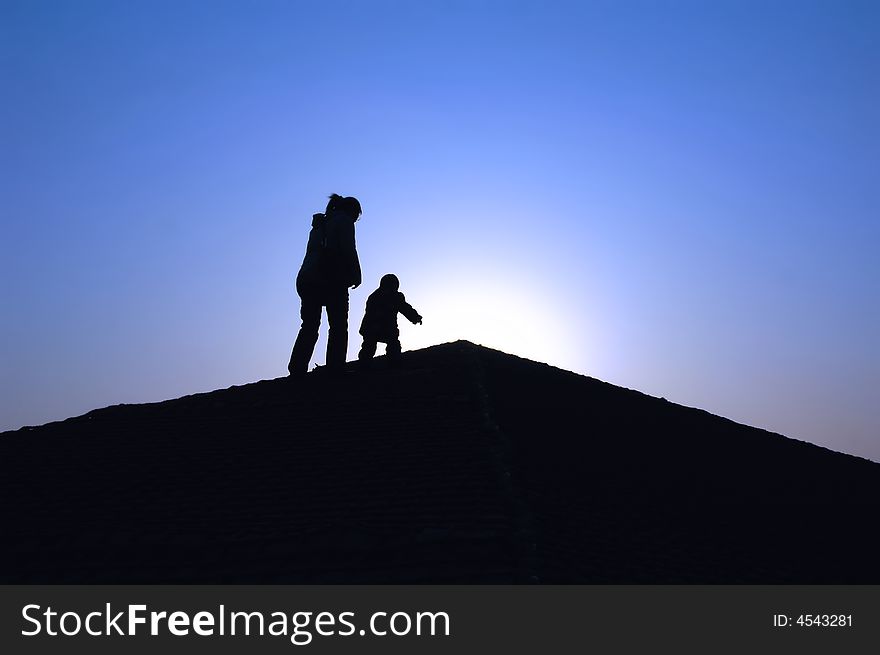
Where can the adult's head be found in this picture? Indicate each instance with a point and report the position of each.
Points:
(348, 205)
(389, 282)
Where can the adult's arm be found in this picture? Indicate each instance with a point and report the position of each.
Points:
(341, 240)
(353, 263)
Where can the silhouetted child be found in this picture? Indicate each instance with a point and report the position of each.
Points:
(380, 319)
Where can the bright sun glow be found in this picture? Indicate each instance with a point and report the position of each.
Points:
(501, 314)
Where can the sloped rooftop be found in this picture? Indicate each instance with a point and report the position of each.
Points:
(462, 465)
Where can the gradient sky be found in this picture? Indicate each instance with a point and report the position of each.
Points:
(676, 197)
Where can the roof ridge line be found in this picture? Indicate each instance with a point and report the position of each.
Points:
(500, 451)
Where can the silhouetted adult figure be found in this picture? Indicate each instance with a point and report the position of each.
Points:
(329, 268)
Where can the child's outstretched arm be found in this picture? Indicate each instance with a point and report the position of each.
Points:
(407, 310)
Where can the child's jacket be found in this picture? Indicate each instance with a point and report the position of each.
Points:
(380, 317)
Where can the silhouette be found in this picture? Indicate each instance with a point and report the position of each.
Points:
(329, 268)
(380, 319)
(466, 465)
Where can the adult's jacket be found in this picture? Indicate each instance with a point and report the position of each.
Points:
(331, 259)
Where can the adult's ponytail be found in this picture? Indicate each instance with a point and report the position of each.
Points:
(350, 205)
(334, 203)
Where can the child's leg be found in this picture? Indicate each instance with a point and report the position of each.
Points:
(392, 348)
(368, 349)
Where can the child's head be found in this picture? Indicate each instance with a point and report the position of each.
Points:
(389, 282)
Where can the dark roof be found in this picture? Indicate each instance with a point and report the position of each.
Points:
(463, 464)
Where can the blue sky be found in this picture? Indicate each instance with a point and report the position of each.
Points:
(677, 197)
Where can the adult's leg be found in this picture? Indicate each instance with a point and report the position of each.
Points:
(337, 317)
(304, 346)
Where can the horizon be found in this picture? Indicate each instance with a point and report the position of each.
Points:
(437, 345)
(671, 197)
